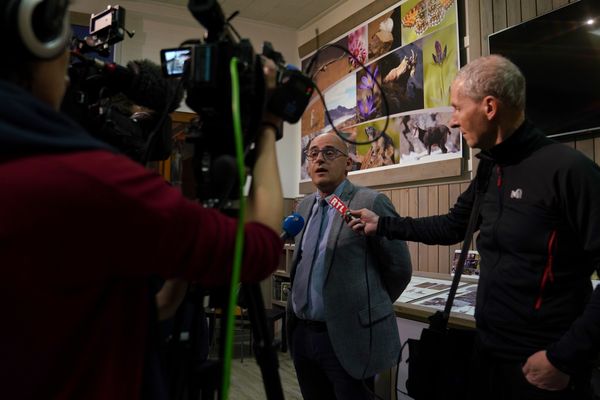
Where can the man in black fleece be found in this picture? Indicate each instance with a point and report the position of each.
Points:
(538, 321)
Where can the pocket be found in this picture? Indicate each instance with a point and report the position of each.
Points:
(379, 312)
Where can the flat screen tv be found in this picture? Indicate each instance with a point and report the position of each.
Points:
(559, 54)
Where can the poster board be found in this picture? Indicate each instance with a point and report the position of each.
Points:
(412, 50)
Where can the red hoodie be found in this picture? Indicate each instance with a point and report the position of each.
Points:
(80, 233)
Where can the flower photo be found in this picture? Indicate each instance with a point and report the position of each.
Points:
(357, 46)
(368, 95)
(440, 66)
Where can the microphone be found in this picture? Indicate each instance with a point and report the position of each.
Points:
(120, 76)
(339, 205)
(291, 226)
(143, 83)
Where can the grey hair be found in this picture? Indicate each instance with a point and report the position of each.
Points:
(496, 76)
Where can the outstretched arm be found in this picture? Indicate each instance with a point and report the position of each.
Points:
(442, 229)
(265, 201)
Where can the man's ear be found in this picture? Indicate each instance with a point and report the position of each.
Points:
(348, 164)
(490, 105)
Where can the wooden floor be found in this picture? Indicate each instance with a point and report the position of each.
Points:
(247, 383)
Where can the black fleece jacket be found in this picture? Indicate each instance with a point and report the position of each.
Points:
(539, 240)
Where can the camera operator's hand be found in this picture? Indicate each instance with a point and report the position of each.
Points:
(270, 120)
(270, 72)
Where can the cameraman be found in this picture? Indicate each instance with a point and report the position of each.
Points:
(82, 230)
(124, 109)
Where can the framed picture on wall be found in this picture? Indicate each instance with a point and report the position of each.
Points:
(399, 100)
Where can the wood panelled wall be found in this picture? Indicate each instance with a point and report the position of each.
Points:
(482, 17)
(488, 16)
(423, 201)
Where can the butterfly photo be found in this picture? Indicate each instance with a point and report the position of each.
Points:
(420, 17)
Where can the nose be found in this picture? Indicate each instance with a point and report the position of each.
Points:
(454, 120)
(320, 157)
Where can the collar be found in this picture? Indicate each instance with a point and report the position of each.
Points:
(524, 141)
(337, 192)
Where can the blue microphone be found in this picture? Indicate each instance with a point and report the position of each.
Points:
(292, 225)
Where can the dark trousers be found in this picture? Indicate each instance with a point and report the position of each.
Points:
(320, 374)
(498, 379)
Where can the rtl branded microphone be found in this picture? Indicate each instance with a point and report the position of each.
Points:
(291, 226)
(339, 205)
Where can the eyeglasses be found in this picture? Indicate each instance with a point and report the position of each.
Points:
(329, 153)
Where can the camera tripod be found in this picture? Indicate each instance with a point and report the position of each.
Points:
(191, 374)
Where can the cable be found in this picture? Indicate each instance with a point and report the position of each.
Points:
(368, 308)
(239, 237)
(371, 392)
(368, 71)
(165, 113)
(398, 369)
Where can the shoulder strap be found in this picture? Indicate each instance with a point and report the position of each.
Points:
(439, 321)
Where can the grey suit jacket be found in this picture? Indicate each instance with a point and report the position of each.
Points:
(364, 277)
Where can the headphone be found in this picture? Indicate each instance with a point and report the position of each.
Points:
(40, 27)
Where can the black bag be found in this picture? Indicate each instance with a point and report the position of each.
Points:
(438, 363)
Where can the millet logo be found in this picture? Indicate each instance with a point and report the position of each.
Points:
(516, 194)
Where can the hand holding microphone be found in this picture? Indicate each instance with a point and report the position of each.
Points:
(361, 221)
(365, 221)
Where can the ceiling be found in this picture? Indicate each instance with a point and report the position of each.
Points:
(291, 14)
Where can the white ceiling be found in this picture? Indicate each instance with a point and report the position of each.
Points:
(292, 14)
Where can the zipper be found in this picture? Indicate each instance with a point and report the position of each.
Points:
(500, 210)
(499, 179)
(548, 274)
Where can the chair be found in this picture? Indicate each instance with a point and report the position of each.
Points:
(272, 315)
(242, 326)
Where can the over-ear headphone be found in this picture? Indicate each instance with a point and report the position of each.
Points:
(40, 27)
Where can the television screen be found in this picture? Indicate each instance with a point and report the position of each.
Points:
(559, 54)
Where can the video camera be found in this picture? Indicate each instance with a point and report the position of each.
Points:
(203, 67)
(106, 28)
(103, 96)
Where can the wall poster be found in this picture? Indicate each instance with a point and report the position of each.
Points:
(412, 51)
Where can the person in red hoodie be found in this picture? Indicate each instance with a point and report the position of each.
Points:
(82, 230)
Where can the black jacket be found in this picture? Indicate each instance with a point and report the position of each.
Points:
(539, 240)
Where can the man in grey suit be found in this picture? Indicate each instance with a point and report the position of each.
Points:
(342, 328)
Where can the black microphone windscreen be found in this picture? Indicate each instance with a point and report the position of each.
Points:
(149, 88)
